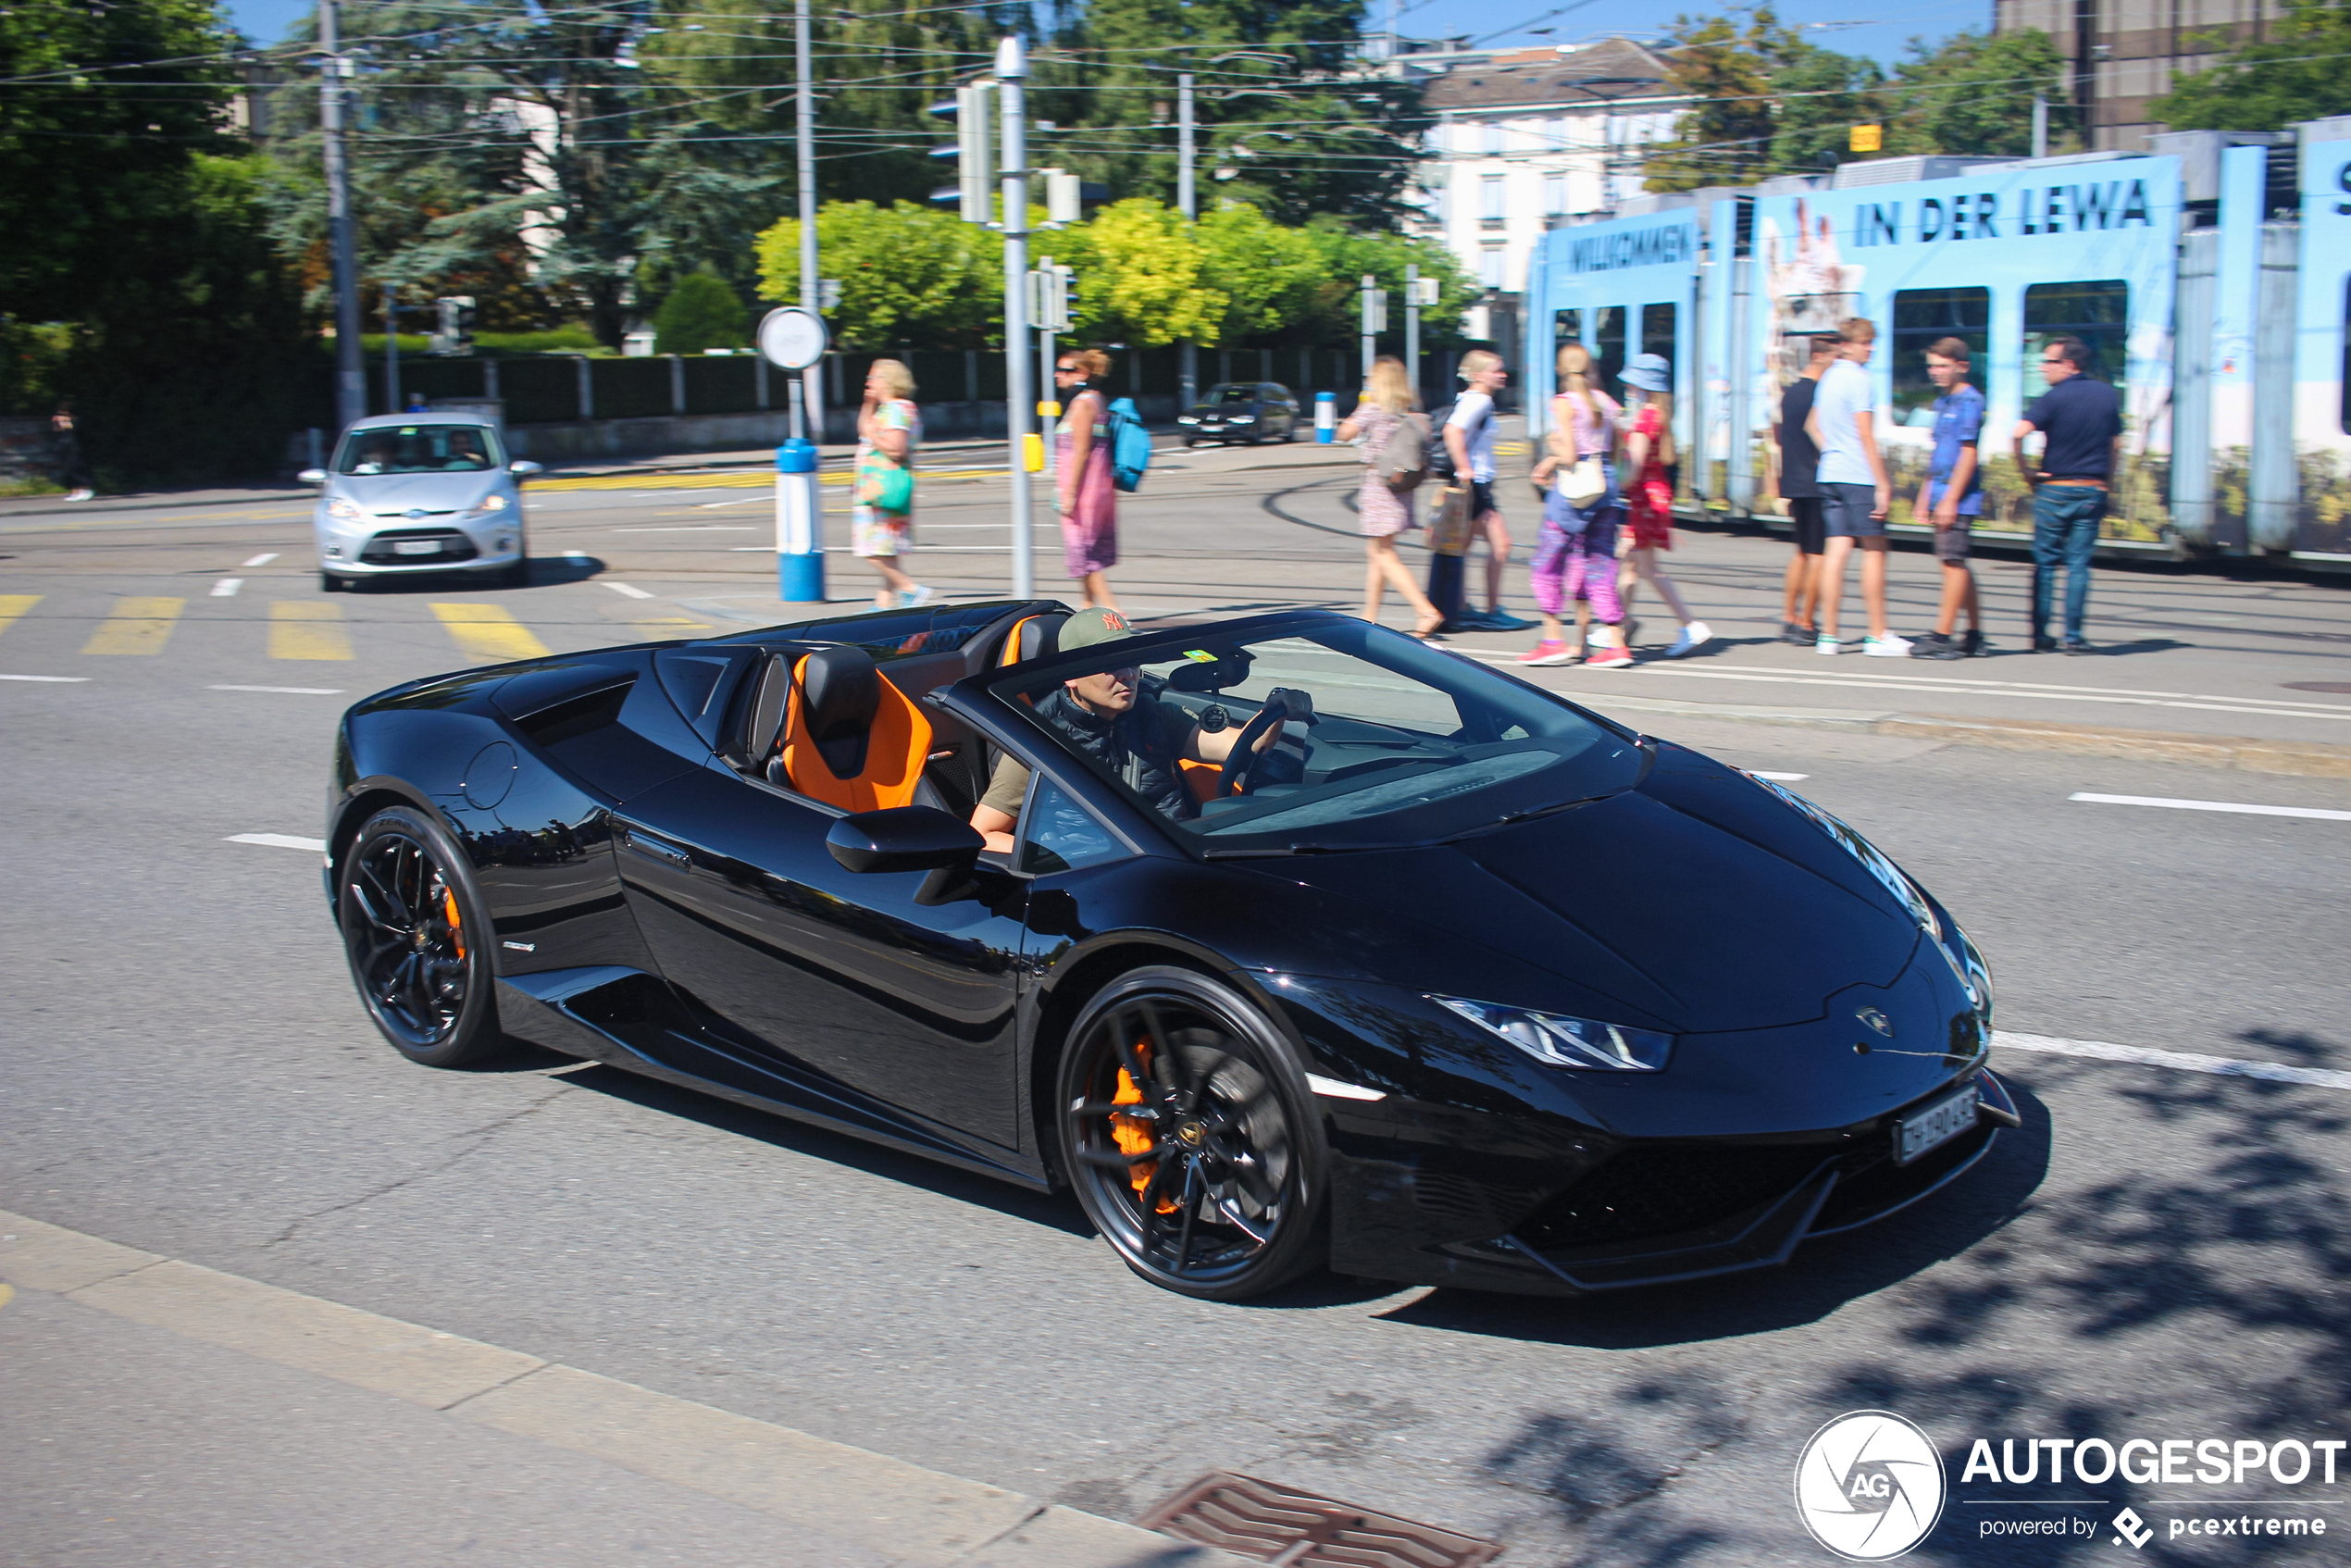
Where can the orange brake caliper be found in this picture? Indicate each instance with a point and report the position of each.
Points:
(1134, 1136)
(456, 931)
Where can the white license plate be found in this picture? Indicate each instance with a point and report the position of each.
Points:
(1935, 1127)
(415, 547)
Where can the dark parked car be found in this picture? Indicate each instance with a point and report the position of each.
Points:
(1233, 411)
(1313, 945)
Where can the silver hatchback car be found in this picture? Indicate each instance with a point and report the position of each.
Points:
(420, 492)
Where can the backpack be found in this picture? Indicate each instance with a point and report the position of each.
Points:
(1130, 445)
(1441, 452)
(1401, 462)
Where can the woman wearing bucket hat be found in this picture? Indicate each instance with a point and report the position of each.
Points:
(1648, 449)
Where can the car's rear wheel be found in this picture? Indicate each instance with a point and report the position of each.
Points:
(1191, 1138)
(417, 940)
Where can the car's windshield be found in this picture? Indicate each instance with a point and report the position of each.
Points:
(418, 449)
(1333, 736)
(1226, 393)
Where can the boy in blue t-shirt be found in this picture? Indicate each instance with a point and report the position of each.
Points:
(1952, 498)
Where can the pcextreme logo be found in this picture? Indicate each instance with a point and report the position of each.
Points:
(1870, 1485)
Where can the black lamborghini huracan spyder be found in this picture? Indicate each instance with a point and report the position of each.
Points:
(1308, 944)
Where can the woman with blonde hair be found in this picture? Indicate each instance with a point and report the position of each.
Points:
(1383, 412)
(1649, 447)
(1575, 554)
(1083, 492)
(881, 512)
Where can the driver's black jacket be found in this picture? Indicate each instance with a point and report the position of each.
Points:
(1140, 748)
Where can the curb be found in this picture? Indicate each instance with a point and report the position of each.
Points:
(908, 1514)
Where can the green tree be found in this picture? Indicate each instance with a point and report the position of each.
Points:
(1822, 95)
(2297, 73)
(701, 311)
(1973, 94)
(908, 274)
(1726, 64)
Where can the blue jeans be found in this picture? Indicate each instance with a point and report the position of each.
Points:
(2065, 531)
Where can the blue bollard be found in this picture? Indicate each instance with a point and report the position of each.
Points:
(1325, 418)
(800, 533)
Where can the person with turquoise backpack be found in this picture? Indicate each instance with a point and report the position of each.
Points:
(1084, 487)
(881, 512)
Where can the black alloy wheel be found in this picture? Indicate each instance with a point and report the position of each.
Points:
(1191, 1138)
(418, 942)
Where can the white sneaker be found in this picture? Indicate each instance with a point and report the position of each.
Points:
(79, 494)
(918, 594)
(1826, 644)
(1887, 647)
(1694, 636)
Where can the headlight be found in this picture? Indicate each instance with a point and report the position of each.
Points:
(343, 511)
(1889, 875)
(492, 502)
(1562, 1041)
(1240, 419)
(1188, 419)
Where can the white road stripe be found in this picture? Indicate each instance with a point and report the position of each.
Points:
(694, 528)
(60, 680)
(624, 589)
(2184, 1061)
(2236, 806)
(264, 559)
(227, 586)
(1782, 777)
(289, 691)
(277, 841)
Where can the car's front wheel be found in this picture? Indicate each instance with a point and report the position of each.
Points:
(1191, 1138)
(417, 940)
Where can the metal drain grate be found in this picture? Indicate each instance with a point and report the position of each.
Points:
(1293, 1529)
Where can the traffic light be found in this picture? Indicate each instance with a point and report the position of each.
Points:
(455, 334)
(1049, 286)
(974, 193)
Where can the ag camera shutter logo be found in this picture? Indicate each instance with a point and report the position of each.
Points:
(1870, 1485)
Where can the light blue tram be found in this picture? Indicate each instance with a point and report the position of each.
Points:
(2212, 279)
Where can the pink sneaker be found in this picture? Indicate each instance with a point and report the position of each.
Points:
(1550, 651)
(1609, 658)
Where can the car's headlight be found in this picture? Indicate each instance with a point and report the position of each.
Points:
(1240, 419)
(1872, 859)
(345, 511)
(1188, 419)
(492, 502)
(1562, 1041)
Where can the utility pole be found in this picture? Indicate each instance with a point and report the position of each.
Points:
(2040, 126)
(1187, 203)
(350, 374)
(808, 406)
(1370, 328)
(392, 350)
(1020, 399)
(1412, 294)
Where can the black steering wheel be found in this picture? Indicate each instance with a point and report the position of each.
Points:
(1240, 762)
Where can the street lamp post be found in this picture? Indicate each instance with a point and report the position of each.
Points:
(1020, 399)
(811, 383)
(1187, 203)
(350, 374)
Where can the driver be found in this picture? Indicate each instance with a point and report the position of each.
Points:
(1120, 718)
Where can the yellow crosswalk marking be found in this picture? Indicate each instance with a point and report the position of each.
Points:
(15, 606)
(139, 625)
(305, 629)
(485, 631)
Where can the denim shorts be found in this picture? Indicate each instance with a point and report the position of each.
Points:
(1846, 509)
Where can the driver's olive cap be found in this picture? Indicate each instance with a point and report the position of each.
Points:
(1092, 626)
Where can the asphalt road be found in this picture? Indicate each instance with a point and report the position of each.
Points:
(2157, 1253)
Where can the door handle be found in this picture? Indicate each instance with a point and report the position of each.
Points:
(655, 849)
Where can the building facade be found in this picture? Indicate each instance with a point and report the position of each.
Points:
(2124, 52)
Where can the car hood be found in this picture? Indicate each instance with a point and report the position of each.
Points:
(1695, 899)
(395, 493)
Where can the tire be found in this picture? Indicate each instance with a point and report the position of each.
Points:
(329, 582)
(1222, 1081)
(426, 986)
(516, 575)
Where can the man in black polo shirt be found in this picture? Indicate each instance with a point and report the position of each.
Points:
(1799, 486)
(2083, 422)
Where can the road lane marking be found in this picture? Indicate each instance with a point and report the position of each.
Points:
(713, 505)
(624, 589)
(227, 586)
(694, 528)
(277, 841)
(2184, 1061)
(1782, 777)
(263, 559)
(490, 633)
(14, 607)
(2236, 806)
(139, 625)
(60, 680)
(288, 691)
(308, 628)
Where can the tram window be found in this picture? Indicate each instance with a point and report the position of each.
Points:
(1657, 330)
(1925, 316)
(1608, 336)
(1567, 327)
(2098, 313)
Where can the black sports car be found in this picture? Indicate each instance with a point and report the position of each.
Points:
(1240, 410)
(1306, 944)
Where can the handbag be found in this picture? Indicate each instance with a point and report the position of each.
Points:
(888, 490)
(1448, 529)
(1585, 483)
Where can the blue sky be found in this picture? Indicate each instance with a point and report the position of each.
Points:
(1509, 22)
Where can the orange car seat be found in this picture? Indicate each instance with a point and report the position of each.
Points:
(850, 738)
(1032, 637)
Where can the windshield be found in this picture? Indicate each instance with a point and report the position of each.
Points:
(418, 449)
(1335, 736)
(1226, 394)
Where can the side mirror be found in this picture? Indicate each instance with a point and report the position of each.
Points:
(312, 476)
(522, 469)
(903, 839)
